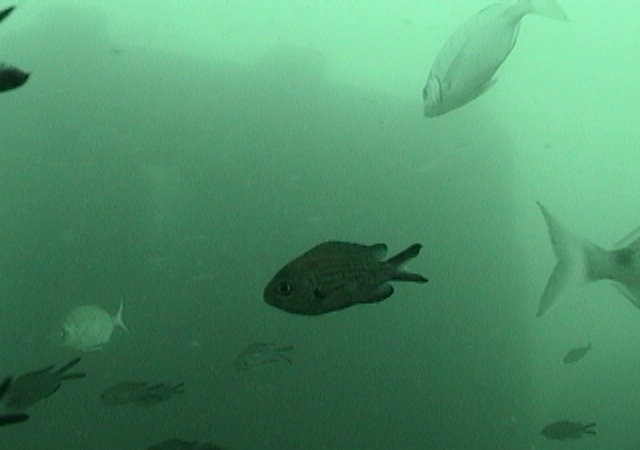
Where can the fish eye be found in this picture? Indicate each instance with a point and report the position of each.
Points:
(284, 288)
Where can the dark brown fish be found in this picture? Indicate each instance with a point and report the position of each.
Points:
(178, 444)
(8, 419)
(566, 429)
(30, 388)
(335, 275)
(576, 354)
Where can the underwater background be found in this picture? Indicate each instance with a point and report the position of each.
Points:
(179, 153)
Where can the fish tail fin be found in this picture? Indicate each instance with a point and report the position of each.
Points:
(398, 260)
(118, 320)
(588, 428)
(579, 261)
(546, 8)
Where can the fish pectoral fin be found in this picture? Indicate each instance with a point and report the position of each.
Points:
(318, 294)
(381, 293)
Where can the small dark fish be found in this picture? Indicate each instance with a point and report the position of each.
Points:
(335, 275)
(30, 388)
(123, 392)
(178, 444)
(261, 353)
(576, 354)
(9, 419)
(10, 77)
(140, 393)
(5, 12)
(566, 429)
(158, 393)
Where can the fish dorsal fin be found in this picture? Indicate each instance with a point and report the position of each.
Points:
(118, 320)
(379, 251)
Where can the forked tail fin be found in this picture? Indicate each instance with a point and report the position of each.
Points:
(575, 257)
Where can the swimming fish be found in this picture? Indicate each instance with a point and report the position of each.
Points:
(30, 388)
(576, 354)
(261, 353)
(178, 444)
(10, 77)
(158, 393)
(89, 327)
(566, 429)
(8, 419)
(466, 65)
(140, 393)
(336, 275)
(580, 261)
(123, 392)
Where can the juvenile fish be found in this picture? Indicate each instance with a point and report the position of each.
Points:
(566, 429)
(261, 353)
(576, 354)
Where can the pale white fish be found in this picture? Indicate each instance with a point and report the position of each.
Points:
(580, 261)
(89, 327)
(466, 65)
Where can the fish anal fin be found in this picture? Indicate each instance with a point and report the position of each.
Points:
(383, 292)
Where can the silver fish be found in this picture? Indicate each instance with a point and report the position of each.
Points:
(580, 261)
(89, 327)
(576, 354)
(32, 387)
(466, 65)
(567, 429)
(261, 353)
(336, 275)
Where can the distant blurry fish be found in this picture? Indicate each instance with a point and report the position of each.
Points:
(123, 393)
(566, 429)
(465, 66)
(580, 261)
(8, 419)
(89, 327)
(335, 275)
(260, 353)
(10, 77)
(576, 354)
(158, 393)
(178, 444)
(30, 388)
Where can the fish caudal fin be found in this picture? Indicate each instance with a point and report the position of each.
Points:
(576, 260)
(547, 8)
(118, 319)
(398, 260)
